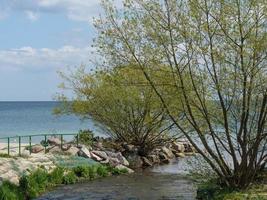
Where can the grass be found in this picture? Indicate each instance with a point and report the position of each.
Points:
(37, 182)
(211, 190)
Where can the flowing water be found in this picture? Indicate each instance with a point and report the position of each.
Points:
(165, 182)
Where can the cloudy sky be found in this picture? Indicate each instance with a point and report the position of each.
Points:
(38, 38)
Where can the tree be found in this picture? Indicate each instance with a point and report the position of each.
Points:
(122, 103)
(216, 53)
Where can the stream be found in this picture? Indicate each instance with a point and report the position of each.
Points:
(164, 182)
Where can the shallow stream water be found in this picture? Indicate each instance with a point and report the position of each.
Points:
(165, 182)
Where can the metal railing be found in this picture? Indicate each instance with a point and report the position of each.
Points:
(38, 135)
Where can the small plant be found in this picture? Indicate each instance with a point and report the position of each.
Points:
(116, 171)
(92, 172)
(81, 171)
(5, 155)
(56, 176)
(102, 171)
(85, 137)
(34, 184)
(69, 178)
(8, 191)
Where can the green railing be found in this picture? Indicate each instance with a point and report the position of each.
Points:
(8, 139)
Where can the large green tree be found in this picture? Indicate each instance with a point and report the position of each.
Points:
(122, 104)
(215, 51)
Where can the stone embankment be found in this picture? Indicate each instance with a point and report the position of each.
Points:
(104, 151)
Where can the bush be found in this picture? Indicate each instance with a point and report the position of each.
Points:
(81, 171)
(116, 171)
(69, 178)
(34, 184)
(85, 137)
(92, 172)
(102, 171)
(9, 191)
(56, 176)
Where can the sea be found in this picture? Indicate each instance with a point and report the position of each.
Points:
(32, 117)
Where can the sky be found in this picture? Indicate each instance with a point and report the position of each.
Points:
(39, 38)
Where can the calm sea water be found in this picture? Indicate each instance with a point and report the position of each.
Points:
(23, 118)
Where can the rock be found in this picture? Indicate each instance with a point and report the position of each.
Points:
(101, 154)
(114, 162)
(104, 161)
(54, 141)
(96, 157)
(180, 155)
(65, 147)
(37, 148)
(179, 147)
(121, 167)
(135, 161)
(166, 161)
(98, 145)
(130, 148)
(73, 151)
(162, 156)
(25, 153)
(188, 147)
(153, 158)
(84, 152)
(146, 162)
(168, 152)
(54, 150)
(119, 156)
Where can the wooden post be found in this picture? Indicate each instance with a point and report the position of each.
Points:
(77, 139)
(30, 143)
(45, 144)
(19, 146)
(8, 146)
(61, 141)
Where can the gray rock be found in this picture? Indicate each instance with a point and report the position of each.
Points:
(84, 152)
(118, 156)
(114, 162)
(54, 141)
(168, 152)
(153, 158)
(96, 157)
(135, 161)
(37, 148)
(101, 154)
(146, 162)
(73, 151)
(179, 147)
(121, 167)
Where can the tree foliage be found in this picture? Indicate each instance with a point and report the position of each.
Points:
(122, 104)
(215, 51)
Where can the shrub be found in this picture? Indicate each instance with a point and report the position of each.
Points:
(85, 137)
(102, 171)
(34, 184)
(81, 171)
(92, 172)
(69, 178)
(9, 191)
(56, 176)
(116, 171)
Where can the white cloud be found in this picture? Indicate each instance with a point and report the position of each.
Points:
(80, 10)
(28, 58)
(32, 16)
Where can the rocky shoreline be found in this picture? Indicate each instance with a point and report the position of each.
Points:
(102, 150)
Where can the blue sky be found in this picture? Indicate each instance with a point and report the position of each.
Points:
(40, 37)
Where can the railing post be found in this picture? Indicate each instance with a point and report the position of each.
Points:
(77, 140)
(45, 144)
(30, 143)
(61, 141)
(19, 146)
(8, 146)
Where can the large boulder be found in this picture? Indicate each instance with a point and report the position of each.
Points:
(73, 151)
(37, 148)
(118, 156)
(84, 152)
(179, 147)
(153, 158)
(54, 141)
(113, 162)
(121, 167)
(146, 162)
(101, 154)
(168, 152)
(96, 157)
(135, 161)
